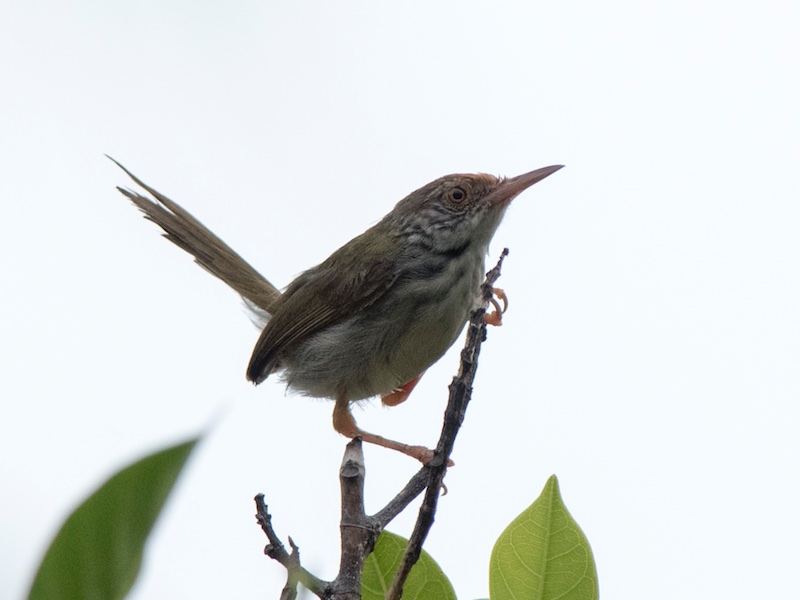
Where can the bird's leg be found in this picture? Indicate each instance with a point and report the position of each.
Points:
(344, 423)
(399, 395)
(496, 318)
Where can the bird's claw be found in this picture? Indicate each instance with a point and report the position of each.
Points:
(424, 455)
(495, 318)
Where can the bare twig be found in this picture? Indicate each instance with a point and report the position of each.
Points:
(460, 394)
(276, 551)
(396, 505)
(358, 532)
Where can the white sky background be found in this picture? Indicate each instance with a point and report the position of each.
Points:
(650, 354)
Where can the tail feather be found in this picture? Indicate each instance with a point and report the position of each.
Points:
(210, 252)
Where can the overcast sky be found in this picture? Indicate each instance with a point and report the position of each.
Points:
(649, 357)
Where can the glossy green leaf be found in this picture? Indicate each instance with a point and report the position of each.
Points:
(543, 555)
(425, 582)
(98, 551)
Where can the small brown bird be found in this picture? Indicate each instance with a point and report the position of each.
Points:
(370, 319)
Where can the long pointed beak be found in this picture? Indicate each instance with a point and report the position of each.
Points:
(509, 189)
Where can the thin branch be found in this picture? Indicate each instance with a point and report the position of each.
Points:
(460, 395)
(396, 505)
(276, 551)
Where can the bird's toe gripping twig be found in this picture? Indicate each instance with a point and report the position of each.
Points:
(496, 317)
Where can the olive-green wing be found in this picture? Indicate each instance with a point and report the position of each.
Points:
(352, 279)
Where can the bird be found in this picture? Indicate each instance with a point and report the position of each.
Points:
(377, 313)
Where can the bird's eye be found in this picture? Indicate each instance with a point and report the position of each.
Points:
(457, 195)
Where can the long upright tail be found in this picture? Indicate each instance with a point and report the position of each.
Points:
(210, 252)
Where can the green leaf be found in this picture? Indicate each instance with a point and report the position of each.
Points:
(425, 582)
(98, 551)
(543, 555)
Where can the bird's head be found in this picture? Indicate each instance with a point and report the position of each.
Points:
(461, 210)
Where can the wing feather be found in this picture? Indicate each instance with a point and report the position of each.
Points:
(351, 280)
